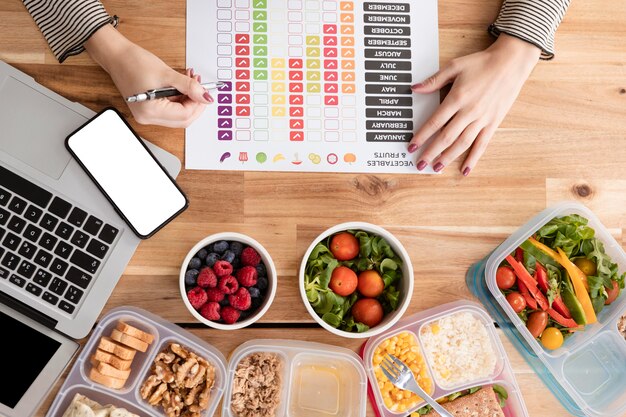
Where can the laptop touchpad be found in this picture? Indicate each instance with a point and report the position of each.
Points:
(33, 127)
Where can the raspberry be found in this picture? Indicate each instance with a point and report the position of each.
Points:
(215, 294)
(230, 314)
(246, 276)
(250, 257)
(228, 284)
(197, 297)
(211, 311)
(240, 300)
(207, 278)
(222, 268)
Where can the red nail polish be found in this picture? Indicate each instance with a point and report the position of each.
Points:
(438, 167)
(418, 85)
(207, 97)
(466, 171)
(412, 148)
(421, 165)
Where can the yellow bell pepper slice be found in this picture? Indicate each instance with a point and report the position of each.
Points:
(576, 275)
(557, 257)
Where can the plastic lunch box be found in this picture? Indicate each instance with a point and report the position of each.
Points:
(588, 373)
(318, 380)
(128, 397)
(502, 374)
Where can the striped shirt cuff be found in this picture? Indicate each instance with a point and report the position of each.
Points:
(68, 24)
(534, 21)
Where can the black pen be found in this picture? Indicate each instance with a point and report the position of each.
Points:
(168, 92)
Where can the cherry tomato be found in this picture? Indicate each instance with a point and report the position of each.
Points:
(371, 284)
(505, 277)
(343, 281)
(517, 301)
(613, 293)
(367, 311)
(344, 246)
(586, 265)
(537, 323)
(552, 338)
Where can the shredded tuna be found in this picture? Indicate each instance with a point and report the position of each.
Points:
(621, 325)
(257, 386)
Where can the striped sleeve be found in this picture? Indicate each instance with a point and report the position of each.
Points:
(534, 21)
(68, 24)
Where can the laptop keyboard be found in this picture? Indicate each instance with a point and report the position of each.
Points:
(49, 247)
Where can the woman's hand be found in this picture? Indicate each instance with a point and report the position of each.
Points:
(485, 85)
(134, 70)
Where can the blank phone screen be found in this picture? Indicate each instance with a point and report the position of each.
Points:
(126, 172)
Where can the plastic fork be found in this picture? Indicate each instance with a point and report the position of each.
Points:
(401, 376)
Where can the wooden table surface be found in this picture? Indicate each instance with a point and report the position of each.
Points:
(564, 138)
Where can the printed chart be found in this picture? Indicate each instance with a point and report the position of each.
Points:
(310, 85)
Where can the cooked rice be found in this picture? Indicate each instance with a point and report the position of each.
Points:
(458, 349)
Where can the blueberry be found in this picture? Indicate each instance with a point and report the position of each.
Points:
(254, 292)
(228, 256)
(195, 263)
(236, 248)
(224, 302)
(256, 303)
(220, 247)
(244, 315)
(202, 253)
(236, 263)
(262, 283)
(191, 276)
(260, 269)
(211, 258)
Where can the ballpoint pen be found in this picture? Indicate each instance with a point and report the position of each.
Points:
(167, 92)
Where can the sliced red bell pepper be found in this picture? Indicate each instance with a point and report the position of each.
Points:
(529, 281)
(559, 306)
(565, 322)
(530, 301)
(542, 278)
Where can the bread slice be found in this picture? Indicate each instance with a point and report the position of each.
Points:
(482, 403)
(106, 369)
(129, 340)
(109, 345)
(115, 361)
(106, 380)
(134, 332)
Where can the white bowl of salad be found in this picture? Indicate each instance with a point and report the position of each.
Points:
(356, 280)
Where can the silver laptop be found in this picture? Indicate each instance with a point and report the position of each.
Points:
(63, 248)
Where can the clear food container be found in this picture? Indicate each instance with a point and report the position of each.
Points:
(317, 380)
(588, 372)
(492, 368)
(129, 397)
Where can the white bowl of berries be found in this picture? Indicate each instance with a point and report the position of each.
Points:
(356, 280)
(228, 281)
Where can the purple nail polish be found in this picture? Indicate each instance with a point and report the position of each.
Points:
(421, 165)
(438, 167)
(466, 171)
(412, 148)
(207, 97)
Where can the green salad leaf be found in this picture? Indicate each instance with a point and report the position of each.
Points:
(375, 253)
(498, 389)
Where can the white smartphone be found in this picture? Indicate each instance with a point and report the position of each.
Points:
(132, 179)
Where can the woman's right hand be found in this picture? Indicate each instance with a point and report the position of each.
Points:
(134, 70)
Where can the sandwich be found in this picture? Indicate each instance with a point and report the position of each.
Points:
(82, 406)
(486, 401)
